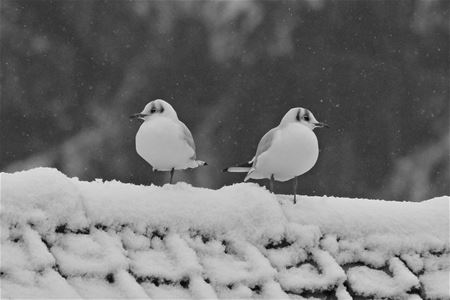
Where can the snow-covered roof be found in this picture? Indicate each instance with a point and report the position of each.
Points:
(62, 237)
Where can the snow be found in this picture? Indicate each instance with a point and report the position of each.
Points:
(39, 286)
(225, 269)
(342, 293)
(375, 220)
(325, 275)
(413, 261)
(166, 291)
(128, 285)
(62, 237)
(184, 208)
(200, 289)
(100, 254)
(370, 282)
(93, 287)
(436, 284)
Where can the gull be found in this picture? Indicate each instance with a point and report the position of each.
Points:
(163, 140)
(286, 151)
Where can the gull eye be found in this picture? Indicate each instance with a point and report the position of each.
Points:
(153, 110)
(306, 118)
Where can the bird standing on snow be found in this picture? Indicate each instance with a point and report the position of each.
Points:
(286, 151)
(163, 140)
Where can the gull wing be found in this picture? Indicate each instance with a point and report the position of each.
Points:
(264, 144)
(187, 136)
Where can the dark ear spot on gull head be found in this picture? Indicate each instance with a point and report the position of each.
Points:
(153, 108)
(307, 115)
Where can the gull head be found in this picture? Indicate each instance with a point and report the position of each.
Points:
(154, 109)
(302, 116)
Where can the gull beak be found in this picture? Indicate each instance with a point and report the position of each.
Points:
(138, 116)
(321, 125)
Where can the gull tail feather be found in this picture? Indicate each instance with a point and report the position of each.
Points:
(201, 163)
(196, 163)
(242, 168)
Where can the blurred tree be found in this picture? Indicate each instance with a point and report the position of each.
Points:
(377, 71)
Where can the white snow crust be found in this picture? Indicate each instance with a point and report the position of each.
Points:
(66, 238)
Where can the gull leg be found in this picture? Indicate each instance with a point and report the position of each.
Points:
(295, 189)
(171, 175)
(271, 183)
(154, 170)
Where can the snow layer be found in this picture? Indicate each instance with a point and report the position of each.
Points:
(62, 237)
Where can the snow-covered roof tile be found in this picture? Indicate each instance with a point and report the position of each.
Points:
(62, 237)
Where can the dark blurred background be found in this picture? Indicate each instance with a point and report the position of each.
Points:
(376, 71)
